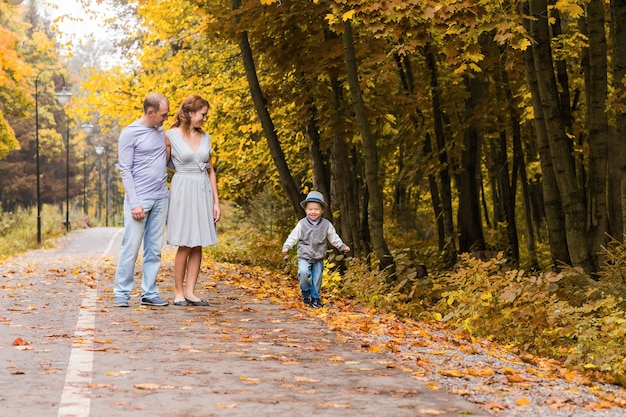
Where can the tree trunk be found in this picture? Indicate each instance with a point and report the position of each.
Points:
(286, 180)
(370, 155)
(572, 197)
(445, 188)
(346, 185)
(551, 198)
(471, 236)
(596, 82)
(519, 165)
(618, 36)
(319, 163)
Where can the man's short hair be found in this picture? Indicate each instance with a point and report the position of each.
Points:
(153, 101)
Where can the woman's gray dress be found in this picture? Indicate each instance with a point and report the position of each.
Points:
(190, 216)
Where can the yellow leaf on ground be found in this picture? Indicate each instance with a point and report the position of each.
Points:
(452, 372)
(152, 386)
(433, 386)
(333, 405)
(120, 373)
(523, 401)
(481, 372)
(509, 371)
(247, 380)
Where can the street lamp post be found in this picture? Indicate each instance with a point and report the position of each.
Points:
(100, 150)
(88, 129)
(67, 174)
(63, 97)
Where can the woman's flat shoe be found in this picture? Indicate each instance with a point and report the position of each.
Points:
(181, 303)
(196, 303)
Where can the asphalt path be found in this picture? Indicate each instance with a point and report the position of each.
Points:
(66, 351)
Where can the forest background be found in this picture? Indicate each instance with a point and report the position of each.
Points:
(471, 151)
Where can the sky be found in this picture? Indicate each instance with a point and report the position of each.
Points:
(75, 23)
(79, 23)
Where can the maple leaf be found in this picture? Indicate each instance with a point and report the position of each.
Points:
(20, 342)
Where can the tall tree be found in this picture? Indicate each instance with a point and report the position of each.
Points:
(570, 193)
(596, 89)
(618, 36)
(256, 92)
(370, 153)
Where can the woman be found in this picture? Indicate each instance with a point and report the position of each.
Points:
(194, 203)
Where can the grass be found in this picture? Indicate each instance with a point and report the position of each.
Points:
(18, 230)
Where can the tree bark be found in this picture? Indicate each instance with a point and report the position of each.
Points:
(596, 82)
(319, 163)
(470, 225)
(471, 236)
(519, 165)
(572, 196)
(445, 188)
(370, 155)
(618, 36)
(278, 156)
(346, 185)
(551, 198)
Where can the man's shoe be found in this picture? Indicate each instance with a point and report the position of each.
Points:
(154, 301)
(317, 303)
(120, 302)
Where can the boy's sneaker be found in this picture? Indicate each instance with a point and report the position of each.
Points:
(317, 303)
(154, 301)
(120, 302)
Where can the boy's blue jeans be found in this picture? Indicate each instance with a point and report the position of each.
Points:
(150, 231)
(313, 271)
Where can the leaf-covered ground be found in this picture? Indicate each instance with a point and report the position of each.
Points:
(490, 375)
(188, 345)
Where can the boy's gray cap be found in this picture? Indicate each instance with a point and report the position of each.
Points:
(315, 197)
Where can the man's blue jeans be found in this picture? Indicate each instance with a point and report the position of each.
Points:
(151, 231)
(313, 271)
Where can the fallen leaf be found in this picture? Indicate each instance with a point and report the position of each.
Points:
(20, 342)
(481, 372)
(452, 372)
(152, 386)
(305, 379)
(333, 405)
(431, 412)
(119, 373)
(514, 378)
(247, 380)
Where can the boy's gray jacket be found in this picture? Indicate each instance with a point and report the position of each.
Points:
(312, 239)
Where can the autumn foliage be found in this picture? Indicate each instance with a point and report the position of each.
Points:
(439, 132)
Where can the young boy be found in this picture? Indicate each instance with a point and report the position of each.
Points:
(311, 233)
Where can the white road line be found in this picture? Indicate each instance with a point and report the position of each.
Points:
(76, 397)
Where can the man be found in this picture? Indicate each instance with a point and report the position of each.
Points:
(142, 163)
